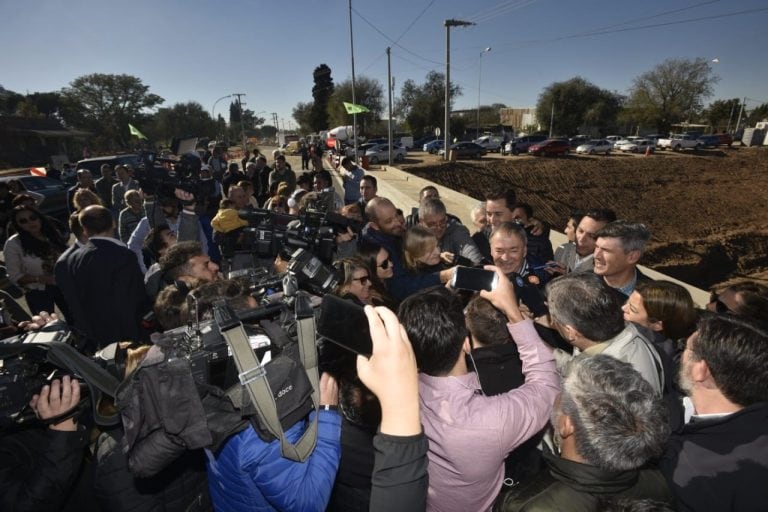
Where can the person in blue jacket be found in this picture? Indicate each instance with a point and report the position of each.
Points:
(248, 473)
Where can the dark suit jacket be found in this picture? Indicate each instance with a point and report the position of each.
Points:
(104, 287)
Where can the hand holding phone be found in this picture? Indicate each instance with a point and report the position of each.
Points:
(391, 373)
(474, 279)
(344, 323)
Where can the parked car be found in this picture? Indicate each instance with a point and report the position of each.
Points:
(716, 139)
(491, 143)
(596, 146)
(419, 143)
(380, 153)
(434, 146)
(466, 150)
(615, 138)
(50, 194)
(677, 142)
(361, 149)
(521, 144)
(578, 140)
(625, 140)
(725, 139)
(638, 146)
(550, 147)
(709, 141)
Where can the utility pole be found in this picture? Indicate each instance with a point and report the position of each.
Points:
(479, 80)
(389, 96)
(448, 24)
(354, 100)
(552, 119)
(242, 123)
(741, 111)
(274, 123)
(730, 117)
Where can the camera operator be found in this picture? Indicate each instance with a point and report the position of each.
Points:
(249, 470)
(38, 466)
(324, 185)
(187, 261)
(184, 223)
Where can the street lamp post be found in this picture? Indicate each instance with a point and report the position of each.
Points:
(448, 24)
(479, 81)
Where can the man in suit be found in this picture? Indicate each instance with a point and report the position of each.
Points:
(102, 283)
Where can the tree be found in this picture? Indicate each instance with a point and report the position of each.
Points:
(577, 104)
(9, 101)
(368, 92)
(423, 106)
(757, 114)
(105, 104)
(721, 113)
(302, 114)
(321, 93)
(183, 119)
(672, 92)
(489, 115)
(234, 113)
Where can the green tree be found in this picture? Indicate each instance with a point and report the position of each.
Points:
(672, 92)
(757, 114)
(368, 92)
(234, 113)
(321, 94)
(720, 113)
(9, 101)
(182, 119)
(302, 114)
(105, 104)
(423, 106)
(577, 103)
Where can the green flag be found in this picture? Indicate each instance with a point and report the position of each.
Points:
(135, 131)
(355, 109)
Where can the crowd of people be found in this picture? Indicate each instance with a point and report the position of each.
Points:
(576, 382)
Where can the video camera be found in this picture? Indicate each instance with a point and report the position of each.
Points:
(270, 233)
(33, 359)
(169, 174)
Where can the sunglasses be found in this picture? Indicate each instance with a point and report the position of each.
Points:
(363, 280)
(385, 264)
(25, 220)
(720, 306)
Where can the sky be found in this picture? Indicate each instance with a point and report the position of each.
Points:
(201, 50)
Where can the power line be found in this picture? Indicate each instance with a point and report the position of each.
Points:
(385, 36)
(501, 9)
(418, 16)
(665, 13)
(631, 29)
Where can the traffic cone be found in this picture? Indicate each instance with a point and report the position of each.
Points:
(647, 150)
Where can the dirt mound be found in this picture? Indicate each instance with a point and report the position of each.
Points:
(707, 210)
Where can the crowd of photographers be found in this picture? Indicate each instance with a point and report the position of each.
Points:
(559, 379)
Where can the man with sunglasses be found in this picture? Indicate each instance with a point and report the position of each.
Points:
(719, 459)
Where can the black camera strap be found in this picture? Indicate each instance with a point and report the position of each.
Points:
(99, 381)
(252, 375)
